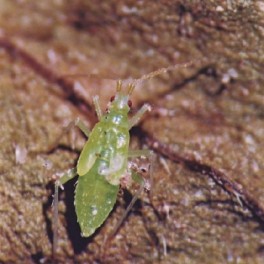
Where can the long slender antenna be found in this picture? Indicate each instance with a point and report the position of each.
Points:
(161, 71)
(131, 88)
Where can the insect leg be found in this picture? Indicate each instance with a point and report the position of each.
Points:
(135, 119)
(139, 152)
(145, 153)
(59, 182)
(79, 123)
(97, 107)
(66, 130)
(150, 154)
(137, 178)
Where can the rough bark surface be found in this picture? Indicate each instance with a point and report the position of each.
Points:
(206, 128)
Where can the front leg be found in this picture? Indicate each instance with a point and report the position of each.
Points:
(139, 153)
(80, 124)
(135, 119)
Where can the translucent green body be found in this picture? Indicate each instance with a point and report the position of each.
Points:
(95, 198)
(102, 163)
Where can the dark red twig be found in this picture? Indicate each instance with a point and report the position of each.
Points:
(66, 85)
(218, 177)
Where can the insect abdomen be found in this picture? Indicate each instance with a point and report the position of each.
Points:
(94, 200)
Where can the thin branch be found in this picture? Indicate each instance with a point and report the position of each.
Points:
(66, 85)
(222, 180)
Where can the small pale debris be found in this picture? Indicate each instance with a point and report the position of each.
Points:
(260, 5)
(47, 164)
(165, 165)
(129, 10)
(20, 154)
(219, 9)
(232, 73)
(164, 244)
(52, 56)
(80, 89)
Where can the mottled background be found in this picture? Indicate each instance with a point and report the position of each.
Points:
(207, 129)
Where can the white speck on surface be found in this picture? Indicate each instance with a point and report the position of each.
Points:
(155, 145)
(80, 89)
(255, 166)
(249, 140)
(63, 112)
(129, 10)
(94, 211)
(20, 154)
(164, 244)
(219, 9)
(260, 5)
(199, 194)
(232, 73)
(230, 257)
(52, 56)
(47, 164)
(165, 165)
(150, 52)
(185, 201)
(225, 78)
(166, 209)
(155, 38)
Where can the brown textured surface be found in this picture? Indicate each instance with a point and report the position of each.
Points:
(215, 120)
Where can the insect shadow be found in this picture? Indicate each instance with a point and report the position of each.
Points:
(78, 242)
(46, 209)
(127, 196)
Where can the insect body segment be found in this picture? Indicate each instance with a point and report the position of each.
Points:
(112, 133)
(103, 162)
(94, 197)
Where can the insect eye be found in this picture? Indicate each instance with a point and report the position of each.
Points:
(143, 170)
(129, 103)
(112, 98)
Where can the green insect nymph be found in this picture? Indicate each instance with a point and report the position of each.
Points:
(103, 162)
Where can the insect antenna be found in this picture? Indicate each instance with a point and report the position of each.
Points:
(161, 71)
(118, 86)
(131, 88)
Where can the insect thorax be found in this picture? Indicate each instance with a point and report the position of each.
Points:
(116, 142)
(117, 120)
